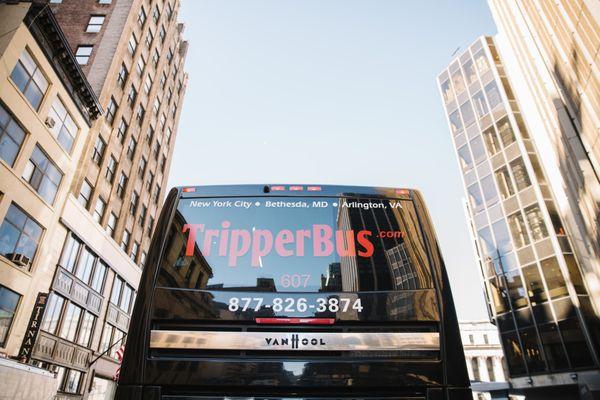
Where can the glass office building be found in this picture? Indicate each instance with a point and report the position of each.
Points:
(534, 288)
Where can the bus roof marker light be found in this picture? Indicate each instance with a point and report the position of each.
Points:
(314, 188)
(403, 192)
(189, 190)
(296, 188)
(277, 188)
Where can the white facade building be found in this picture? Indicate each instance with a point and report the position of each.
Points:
(483, 354)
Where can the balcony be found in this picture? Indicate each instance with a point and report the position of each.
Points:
(117, 317)
(59, 351)
(74, 289)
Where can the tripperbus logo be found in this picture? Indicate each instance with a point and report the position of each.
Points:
(319, 240)
(295, 341)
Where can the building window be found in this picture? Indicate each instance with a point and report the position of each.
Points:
(43, 175)
(168, 135)
(85, 194)
(131, 148)
(163, 80)
(156, 14)
(139, 115)
(122, 294)
(122, 77)
(29, 78)
(110, 169)
(142, 216)
(99, 210)
(157, 193)
(134, 251)
(455, 122)
(142, 167)
(83, 54)
(150, 181)
(85, 330)
(143, 257)
(447, 92)
(156, 150)
(9, 301)
(169, 10)
(11, 137)
(104, 1)
(140, 66)
(150, 226)
(536, 222)
(142, 16)
(554, 278)
(170, 56)
(148, 84)
(163, 121)
(131, 96)
(133, 43)
(149, 38)
(122, 130)
(162, 34)
(492, 144)
(95, 23)
(135, 197)
(466, 110)
(122, 185)
(70, 321)
(99, 149)
(533, 284)
(492, 94)
(125, 240)
(518, 230)
(52, 313)
(169, 95)
(480, 104)
(504, 183)
(520, 173)
(111, 110)
(72, 381)
(163, 163)
(481, 62)
(112, 224)
(150, 134)
(155, 58)
(505, 131)
(64, 128)
(475, 198)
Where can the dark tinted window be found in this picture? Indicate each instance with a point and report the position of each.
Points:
(295, 244)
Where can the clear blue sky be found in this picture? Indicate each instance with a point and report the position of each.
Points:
(330, 91)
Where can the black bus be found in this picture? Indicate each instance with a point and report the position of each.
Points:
(293, 291)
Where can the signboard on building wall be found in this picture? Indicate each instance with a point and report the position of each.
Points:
(33, 327)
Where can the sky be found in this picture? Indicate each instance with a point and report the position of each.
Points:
(331, 92)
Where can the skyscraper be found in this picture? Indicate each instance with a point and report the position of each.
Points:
(99, 201)
(529, 256)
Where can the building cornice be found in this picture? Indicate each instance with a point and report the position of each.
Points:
(45, 29)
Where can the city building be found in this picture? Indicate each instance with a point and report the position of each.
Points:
(485, 359)
(124, 70)
(47, 108)
(529, 255)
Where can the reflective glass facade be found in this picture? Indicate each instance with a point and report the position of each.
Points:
(535, 292)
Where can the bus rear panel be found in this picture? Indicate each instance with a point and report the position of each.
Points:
(291, 291)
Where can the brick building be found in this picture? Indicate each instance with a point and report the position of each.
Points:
(129, 55)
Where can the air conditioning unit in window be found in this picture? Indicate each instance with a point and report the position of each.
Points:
(50, 122)
(19, 259)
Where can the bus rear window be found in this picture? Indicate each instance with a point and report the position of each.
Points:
(295, 244)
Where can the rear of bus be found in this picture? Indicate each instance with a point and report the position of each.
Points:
(294, 291)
